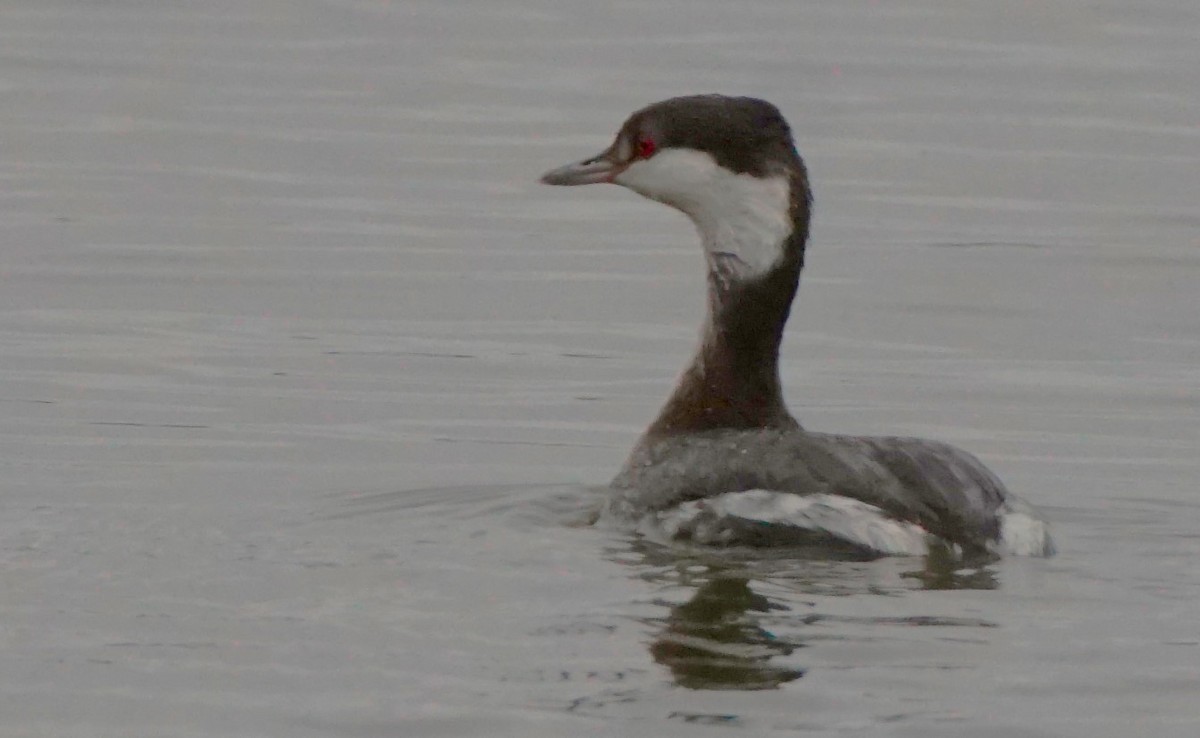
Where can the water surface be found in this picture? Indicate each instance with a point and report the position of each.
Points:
(303, 375)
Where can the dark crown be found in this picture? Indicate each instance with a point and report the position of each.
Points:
(743, 134)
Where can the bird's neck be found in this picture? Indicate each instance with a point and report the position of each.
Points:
(733, 381)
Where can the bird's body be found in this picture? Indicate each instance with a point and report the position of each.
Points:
(730, 165)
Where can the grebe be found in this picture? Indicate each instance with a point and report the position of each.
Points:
(725, 460)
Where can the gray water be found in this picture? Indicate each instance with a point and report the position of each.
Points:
(303, 375)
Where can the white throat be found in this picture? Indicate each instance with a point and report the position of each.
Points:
(743, 220)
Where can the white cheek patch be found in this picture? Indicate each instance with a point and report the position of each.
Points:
(624, 149)
(742, 219)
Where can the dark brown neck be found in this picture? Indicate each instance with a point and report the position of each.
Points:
(733, 382)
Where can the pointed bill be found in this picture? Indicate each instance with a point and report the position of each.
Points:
(597, 169)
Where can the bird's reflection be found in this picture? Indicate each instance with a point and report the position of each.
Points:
(715, 640)
(944, 569)
(724, 636)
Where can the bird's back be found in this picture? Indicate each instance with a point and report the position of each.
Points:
(944, 490)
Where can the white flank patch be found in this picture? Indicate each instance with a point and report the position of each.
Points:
(849, 520)
(738, 215)
(1022, 534)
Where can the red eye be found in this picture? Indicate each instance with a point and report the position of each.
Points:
(645, 148)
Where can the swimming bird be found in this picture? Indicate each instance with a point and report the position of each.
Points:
(725, 459)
